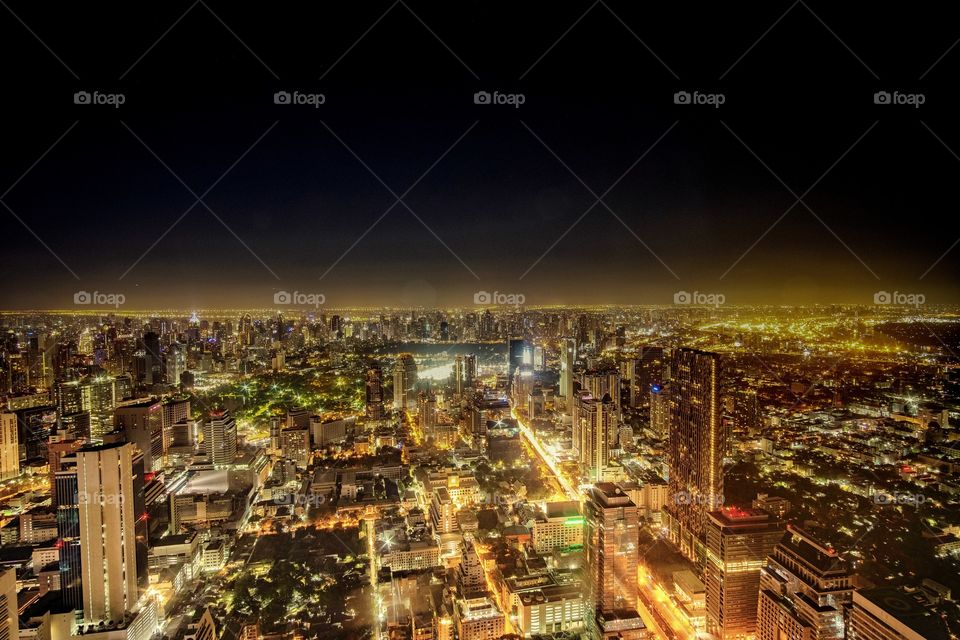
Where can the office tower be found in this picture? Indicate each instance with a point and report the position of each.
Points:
(34, 426)
(443, 512)
(804, 589)
(175, 409)
(696, 446)
(471, 579)
(275, 446)
(176, 363)
(61, 445)
(374, 392)
(628, 374)
(891, 613)
(568, 353)
(458, 375)
(738, 542)
(611, 532)
(9, 611)
(9, 446)
(650, 368)
(68, 533)
(153, 360)
(469, 371)
(100, 399)
(404, 380)
(220, 437)
(660, 410)
(142, 424)
(107, 522)
(602, 382)
(295, 445)
(594, 432)
(427, 412)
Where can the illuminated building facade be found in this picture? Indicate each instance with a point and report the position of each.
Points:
(738, 542)
(611, 533)
(804, 589)
(696, 445)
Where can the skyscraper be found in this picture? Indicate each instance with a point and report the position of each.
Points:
(374, 392)
(697, 443)
(594, 431)
(142, 423)
(404, 380)
(107, 523)
(611, 522)
(9, 614)
(9, 446)
(804, 589)
(220, 437)
(568, 353)
(68, 533)
(738, 542)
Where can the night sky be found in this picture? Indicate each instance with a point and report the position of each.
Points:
(884, 202)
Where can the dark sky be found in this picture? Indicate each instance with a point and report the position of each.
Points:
(801, 97)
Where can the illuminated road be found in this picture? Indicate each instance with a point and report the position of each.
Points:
(375, 594)
(658, 611)
(546, 458)
(670, 619)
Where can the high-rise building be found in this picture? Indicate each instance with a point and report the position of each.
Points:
(68, 533)
(805, 588)
(595, 432)
(295, 445)
(9, 446)
(697, 444)
(176, 363)
(568, 353)
(107, 524)
(660, 410)
(611, 534)
(458, 375)
(471, 579)
(9, 613)
(738, 542)
(374, 392)
(404, 380)
(891, 613)
(220, 437)
(142, 423)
